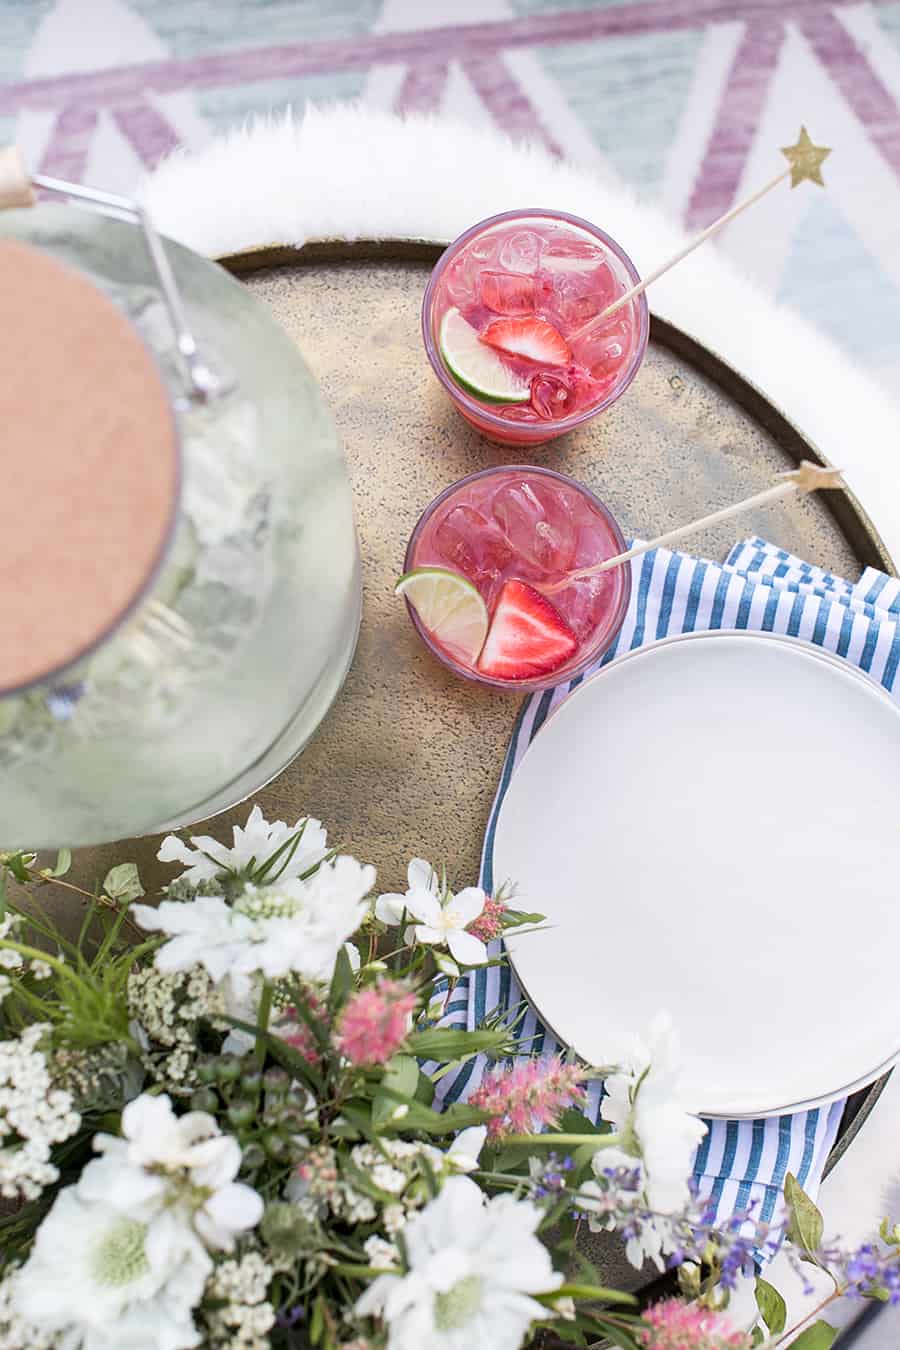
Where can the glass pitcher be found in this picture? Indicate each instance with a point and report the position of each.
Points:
(224, 514)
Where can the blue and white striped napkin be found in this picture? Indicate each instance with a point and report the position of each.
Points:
(759, 587)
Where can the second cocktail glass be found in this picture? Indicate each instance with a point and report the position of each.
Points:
(509, 532)
(507, 324)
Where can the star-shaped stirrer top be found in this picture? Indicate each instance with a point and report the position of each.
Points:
(805, 160)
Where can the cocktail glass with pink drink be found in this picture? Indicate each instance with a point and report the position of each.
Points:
(504, 533)
(511, 324)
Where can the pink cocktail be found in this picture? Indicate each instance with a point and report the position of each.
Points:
(510, 531)
(512, 324)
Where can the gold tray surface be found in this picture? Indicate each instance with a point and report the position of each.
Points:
(407, 761)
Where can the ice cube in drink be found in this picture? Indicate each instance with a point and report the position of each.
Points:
(509, 531)
(512, 323)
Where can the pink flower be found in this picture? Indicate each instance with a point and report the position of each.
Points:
(489, 924)
(374, 1023)
(673, 1325)
(528, 1095)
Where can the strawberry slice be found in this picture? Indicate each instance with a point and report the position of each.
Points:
(527, 636)
(535, 339)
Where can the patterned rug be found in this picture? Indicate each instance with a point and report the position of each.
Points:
(687, 100)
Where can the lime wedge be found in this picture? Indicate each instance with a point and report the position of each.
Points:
(449, 607)
(476, 367)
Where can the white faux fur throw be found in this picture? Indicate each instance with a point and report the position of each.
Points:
(350, 172)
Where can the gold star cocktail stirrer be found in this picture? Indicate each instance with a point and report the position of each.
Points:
(805, 165)
(808, 478)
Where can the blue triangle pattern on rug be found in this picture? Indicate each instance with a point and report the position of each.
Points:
(860, 305)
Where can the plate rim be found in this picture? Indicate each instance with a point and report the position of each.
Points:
(810, 650)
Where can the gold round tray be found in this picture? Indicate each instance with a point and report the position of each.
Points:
(407, 761)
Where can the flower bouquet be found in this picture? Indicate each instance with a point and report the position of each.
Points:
(218, 1129)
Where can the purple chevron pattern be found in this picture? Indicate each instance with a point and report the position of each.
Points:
(687, 100)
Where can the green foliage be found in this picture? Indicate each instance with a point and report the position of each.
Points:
(772, 1307)
(85, 1000)
(806, 1225)
(442, 1043)
(820, 1336)
(19, 865)
(60, 867)
(123, 883)
(596, 1293)
(515, 918)
(397, 1090)
(342, 982)
(618, 1335)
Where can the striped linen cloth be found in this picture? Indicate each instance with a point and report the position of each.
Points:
(763, 588)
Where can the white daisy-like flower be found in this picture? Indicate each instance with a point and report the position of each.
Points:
(392, 908)
(644, 1104)
(651, 1170)
(291, 926)
(473, 1266)
(164, 1159)
(440, 920)
(253, 844)
(103, 1279)
(463, 1153)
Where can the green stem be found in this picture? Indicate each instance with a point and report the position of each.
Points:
(262, 1024)
(572, 1140)
(100, 899)
(791, 1332)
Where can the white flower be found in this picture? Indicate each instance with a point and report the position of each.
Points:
(383, 1255)
(391, 907)
(256, 842)
(650, 1172)
(393, 1217)
(463, 1153)
(643, 1103)
(33, 1116)
(105, 1280)
(353, 956)
(166, 1160)
(241, 1315)
(618, 1191)
(165, 1010)
(472, 1268)
(442, 919)
(15, 1332)
(291, 926)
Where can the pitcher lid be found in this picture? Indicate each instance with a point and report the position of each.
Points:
(90, 466)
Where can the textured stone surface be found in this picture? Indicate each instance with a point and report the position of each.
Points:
(407, 760)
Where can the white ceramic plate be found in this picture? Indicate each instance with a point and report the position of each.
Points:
(712, 825)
